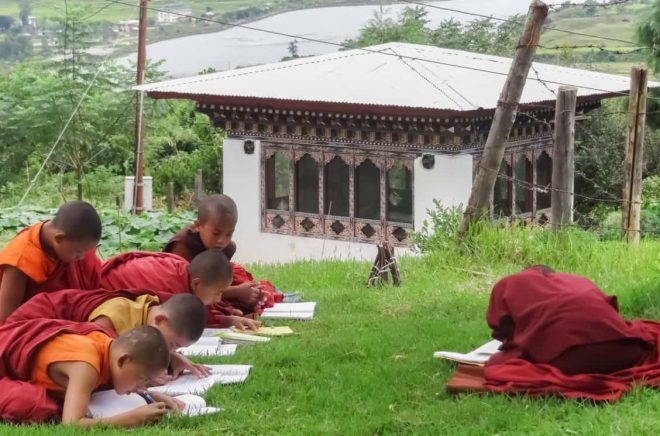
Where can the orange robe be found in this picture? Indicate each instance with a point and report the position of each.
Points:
(46, 274)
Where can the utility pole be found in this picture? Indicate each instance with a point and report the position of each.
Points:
(634, 158)
(138, 190)
(563, 159)
(505, 115)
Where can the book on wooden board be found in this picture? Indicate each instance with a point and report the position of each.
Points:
(191, 384)
(267, 331)
(238, 337)
(106, 404)
(299, 311)
(208, 346)
(477, 357)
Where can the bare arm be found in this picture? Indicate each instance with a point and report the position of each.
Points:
(80, 379)
(12, 291)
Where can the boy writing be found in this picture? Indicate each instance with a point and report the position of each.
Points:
(207, 276)
(214, 227)
(51, 255)
(65, 362)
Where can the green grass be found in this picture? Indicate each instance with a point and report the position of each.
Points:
(365, 366)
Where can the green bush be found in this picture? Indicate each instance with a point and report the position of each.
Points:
(649, 223)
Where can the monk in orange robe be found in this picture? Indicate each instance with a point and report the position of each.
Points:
(51, 255)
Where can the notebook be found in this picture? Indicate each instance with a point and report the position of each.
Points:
(477, 357)
(238, 337)
(300, 311)
(208, 346)
(106, 404)
(191, 384)
(268, 331)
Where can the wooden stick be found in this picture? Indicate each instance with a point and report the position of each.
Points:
(563, 159)
(505, 115)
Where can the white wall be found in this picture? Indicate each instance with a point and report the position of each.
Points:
(449, 181)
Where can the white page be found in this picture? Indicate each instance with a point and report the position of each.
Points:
(303, 316)
(208, 340)
(191, 384)
(478, 357)
(202, 411)
(106, 404)
(213, 332)
(192, 401)
(307, 306)
(208, 350)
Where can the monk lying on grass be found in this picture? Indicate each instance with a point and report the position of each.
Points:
(52, 365)
(214, 227)
(165, 274)
(180, 319)
(561, 334)
(51, 255)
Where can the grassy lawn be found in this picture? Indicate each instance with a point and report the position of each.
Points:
(365, 366)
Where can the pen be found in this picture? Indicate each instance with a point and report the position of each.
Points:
(147, 397)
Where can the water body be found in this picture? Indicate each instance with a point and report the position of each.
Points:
(236, 47)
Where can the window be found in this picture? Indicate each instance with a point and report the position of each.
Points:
(522, 172)
(543, 180)
(502, 192)
(277, 181)
(399, 194)
(307, 185)
(345, 194)
(367, 188)
(337, 187)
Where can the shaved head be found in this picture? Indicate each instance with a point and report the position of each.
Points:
(216, 206)
(79, 221)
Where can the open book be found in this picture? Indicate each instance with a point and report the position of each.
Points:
(477, 357)
(191, 384)
(208, 346)
(106, 404)
(267, 331)
(301, 311)
(237, 337)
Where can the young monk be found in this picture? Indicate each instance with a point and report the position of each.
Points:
(53, 364)
(51, 255)
(181, 319)
(207, 276)
(214, 227)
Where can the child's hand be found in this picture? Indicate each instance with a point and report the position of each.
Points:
(244, 323)
(171, 403)
(147, 414)
(247, 293)
(160, 379)
(181, 363)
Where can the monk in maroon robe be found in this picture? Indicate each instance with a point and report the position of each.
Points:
(561, 334)
(21, 401)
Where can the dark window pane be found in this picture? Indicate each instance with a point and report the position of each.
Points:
(523, 175)
(337, 187)
(307, 185)
(399, 194)
(277, 182)
(544, 180)
(367, 191)
(502, 194)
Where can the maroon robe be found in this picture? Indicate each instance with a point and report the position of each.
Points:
(543, 318)
(21, 401)
(69, 304)
(164, 274)
(194, 245)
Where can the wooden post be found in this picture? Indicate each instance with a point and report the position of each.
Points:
(505, 115)
(563, 158)
(170, 197)
(632, 188)
(199, 186)
(138, 191)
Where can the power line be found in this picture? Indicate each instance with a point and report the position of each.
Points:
(508, 20)
(364, 49)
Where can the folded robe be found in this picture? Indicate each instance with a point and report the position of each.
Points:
(540, 316)
(69, 304)
(21, 401)
(164, 274)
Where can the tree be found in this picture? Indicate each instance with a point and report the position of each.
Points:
(293, 49)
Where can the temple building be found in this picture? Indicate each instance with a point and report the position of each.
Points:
(327, 155)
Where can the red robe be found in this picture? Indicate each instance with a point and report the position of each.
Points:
(69, 304)
(540, 316)
(21, 401)
(164, 274)
(82, 274)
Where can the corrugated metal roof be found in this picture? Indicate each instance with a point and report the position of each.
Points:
(393, 74)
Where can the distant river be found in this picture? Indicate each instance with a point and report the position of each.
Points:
(235, 47)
